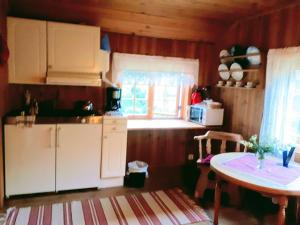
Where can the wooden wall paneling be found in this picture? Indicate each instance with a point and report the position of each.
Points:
(244, 108)
(162, 148)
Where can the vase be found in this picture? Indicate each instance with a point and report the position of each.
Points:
(260, 163)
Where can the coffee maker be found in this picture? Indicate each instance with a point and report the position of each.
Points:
(113, 99)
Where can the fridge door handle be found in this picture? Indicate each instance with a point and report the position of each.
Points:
(58, 137)
(51, 137)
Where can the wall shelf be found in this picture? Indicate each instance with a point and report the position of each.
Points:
(233, 87)
(252, 73)
(240, 56)
(238, 70)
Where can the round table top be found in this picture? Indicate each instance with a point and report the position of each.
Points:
(249, 180)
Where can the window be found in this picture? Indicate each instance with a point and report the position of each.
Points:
(134, 99)
(281, 116)
(154, 86)
(158, 100)
(293, 107)
(166, 102)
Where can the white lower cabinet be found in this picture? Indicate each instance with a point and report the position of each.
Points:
(29, 159)
(57, 157)
(78, 156)
(113, 164)
(113, 155)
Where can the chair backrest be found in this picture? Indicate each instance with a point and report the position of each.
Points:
(221, 136)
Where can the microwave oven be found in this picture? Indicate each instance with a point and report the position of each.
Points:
(203, 115)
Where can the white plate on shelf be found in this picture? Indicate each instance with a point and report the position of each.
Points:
(237, 75)
(224, 71)
(254, 60)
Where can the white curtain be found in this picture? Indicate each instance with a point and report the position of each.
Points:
(282, 66)
(129, 68)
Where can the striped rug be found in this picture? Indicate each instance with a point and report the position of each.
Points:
(153, 208)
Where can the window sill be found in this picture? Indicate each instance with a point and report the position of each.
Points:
(157, 124)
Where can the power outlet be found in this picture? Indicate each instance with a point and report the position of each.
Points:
(190, 156)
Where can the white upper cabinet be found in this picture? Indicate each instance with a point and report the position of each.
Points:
(27, 46)
(73, 48)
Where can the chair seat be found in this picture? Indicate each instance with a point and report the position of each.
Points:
(207, 159)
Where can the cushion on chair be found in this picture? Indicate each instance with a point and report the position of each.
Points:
(207, 159)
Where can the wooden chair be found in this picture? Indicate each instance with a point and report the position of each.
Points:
(223, 137)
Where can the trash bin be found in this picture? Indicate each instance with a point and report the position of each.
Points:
(137, 172)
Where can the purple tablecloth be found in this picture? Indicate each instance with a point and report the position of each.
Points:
(272, 169)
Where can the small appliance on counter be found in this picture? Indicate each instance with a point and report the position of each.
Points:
(84, 108)
(200, 94)
(113, 101)
(207, 113)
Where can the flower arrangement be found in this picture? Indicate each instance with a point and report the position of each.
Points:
(259, 149)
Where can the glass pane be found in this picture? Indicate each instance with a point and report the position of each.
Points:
(127, 91)
(141, 107)
(141, 91)
(171, 92)
(165, 107)
(170, 106)
(158, 106)
(296, 103)
(165, 101)
(127, 106)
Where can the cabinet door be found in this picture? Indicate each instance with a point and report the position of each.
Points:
(73, 48)
(29, 159)
(113, 154)
(78, 156)
(27, 46)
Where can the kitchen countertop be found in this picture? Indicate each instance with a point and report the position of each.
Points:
(132, 124)
(162, 124)
(30, 120)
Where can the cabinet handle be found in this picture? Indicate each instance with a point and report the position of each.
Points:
(57, 137)
(50, 131)
(49, 66)
(104, 137)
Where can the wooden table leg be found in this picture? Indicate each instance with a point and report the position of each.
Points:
(217, 201)
(282, 202)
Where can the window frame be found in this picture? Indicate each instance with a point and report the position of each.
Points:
(183, 97)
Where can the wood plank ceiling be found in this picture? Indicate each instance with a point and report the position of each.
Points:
(197, 20)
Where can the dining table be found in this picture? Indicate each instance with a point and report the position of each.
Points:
(273, 179)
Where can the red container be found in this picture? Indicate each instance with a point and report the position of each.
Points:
(196, 98)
